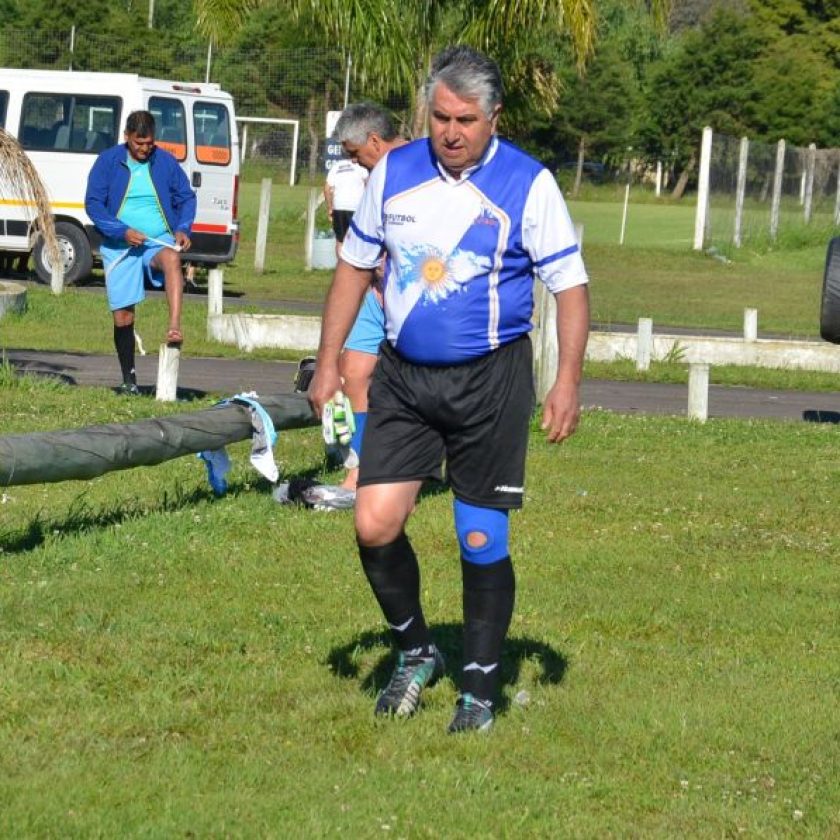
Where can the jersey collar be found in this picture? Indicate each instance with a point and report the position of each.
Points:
(492, 146)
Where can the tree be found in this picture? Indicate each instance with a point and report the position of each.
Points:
(392, 41)
(706, 78)
(795, 85)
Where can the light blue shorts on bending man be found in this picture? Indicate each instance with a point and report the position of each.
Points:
(125, 268)
(369, 329)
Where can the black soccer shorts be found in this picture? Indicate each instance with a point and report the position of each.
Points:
(473, 416)
(341, 223)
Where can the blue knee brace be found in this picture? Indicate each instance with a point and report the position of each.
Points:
(356, 440)
(489, 523)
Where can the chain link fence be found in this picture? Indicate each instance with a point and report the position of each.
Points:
(764, 193)
(297, 84)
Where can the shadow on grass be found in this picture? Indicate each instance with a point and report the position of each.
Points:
(82, 518)
(350, 661)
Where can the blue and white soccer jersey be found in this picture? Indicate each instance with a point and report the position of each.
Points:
(462, 253)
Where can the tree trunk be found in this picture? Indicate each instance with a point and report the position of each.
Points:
(579, 173)
(682, 181)
(418, 122)
(314, 137)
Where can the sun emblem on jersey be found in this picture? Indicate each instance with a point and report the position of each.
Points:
(437, 278)
(441, 275)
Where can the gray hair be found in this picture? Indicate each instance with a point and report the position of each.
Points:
(361, 119)
(469, 74)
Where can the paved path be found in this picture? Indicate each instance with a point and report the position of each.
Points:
(230, 376)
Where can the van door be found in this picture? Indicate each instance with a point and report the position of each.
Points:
(214, 178)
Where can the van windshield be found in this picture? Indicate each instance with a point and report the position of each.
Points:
(211, 125)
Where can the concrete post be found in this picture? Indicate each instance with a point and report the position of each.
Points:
(698, 391)
(810, 169)
(262, 225)
(750, 324)
(644, 343)
(215, 291)
(549, 351)
(777, 190)
(702, 213)
(310, 225)
(740, 189)
(57, 279)
(169, 360)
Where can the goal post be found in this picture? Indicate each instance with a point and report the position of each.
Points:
(293, 124)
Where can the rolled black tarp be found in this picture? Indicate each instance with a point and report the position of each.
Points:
(830, 310)
(80, 454)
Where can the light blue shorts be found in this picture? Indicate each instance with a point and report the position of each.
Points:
(369, 330)
(125, 268)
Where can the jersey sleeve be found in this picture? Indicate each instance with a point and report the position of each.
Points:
(549, 236)
(365, 239)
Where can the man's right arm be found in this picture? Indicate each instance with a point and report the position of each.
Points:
(340, 310)
(96, 200)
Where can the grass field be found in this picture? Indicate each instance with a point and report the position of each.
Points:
(174, 664)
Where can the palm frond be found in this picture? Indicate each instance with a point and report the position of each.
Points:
(497, 24)
(20, 180)
(219, 20)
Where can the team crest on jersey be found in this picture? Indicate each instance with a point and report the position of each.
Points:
(441, 275)
(486, 217)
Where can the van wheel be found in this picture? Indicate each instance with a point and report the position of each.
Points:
(75, 254)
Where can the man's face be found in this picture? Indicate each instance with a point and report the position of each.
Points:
(139, 147)
(459, 129)
(367, 154)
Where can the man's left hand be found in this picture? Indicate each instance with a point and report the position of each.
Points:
(182, 240)
(561, 412)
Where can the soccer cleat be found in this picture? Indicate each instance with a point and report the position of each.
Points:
(412, 674)
(312, 494)
(292, 491)
(471, 714)
(329, 497)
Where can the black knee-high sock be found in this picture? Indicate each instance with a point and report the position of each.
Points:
(394, 576)
(124, 342)
(489, 592)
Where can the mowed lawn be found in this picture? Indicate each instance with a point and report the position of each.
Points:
(174, 664)
(648, 225)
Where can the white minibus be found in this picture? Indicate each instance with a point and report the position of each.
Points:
(63, 119)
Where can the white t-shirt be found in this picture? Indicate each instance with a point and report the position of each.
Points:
(347, 180)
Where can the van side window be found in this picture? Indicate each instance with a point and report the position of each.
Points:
(69, 122)
(4, 104)
(211, 126)
(170, 125)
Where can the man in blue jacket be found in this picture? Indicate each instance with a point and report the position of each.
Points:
(140, 200)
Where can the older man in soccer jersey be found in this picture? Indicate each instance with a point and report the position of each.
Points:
(466, 220)
(367, 134)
